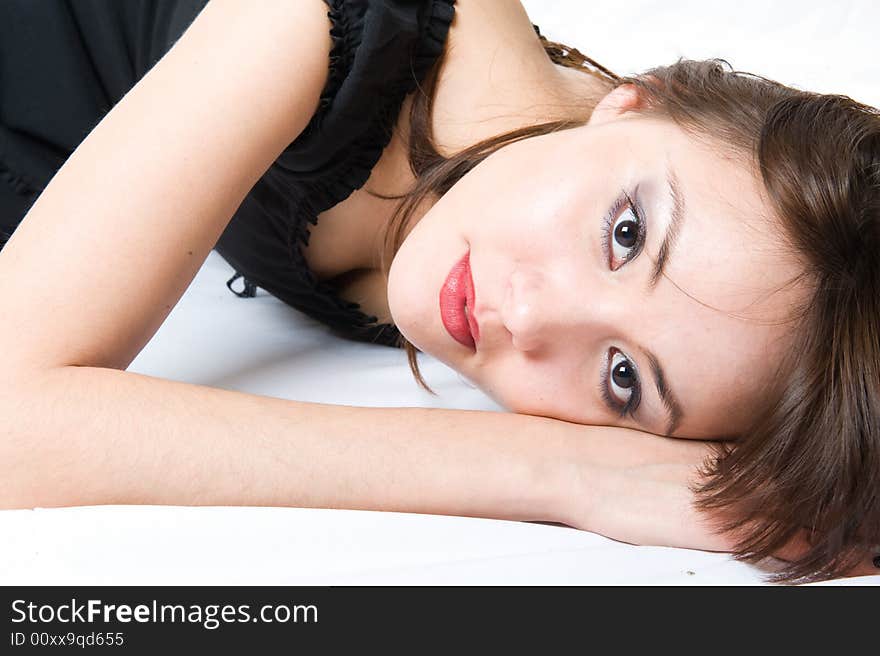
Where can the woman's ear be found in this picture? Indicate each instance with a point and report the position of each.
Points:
(617, 102)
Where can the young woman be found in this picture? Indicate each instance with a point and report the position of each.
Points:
(690, 253)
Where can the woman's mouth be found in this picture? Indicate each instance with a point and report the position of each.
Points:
(457, 302)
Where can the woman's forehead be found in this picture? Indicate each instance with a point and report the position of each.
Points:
(731, 240)
(731, 252)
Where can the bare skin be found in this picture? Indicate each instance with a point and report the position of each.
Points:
(81, 430)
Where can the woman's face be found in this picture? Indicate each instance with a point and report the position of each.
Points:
(565, 236)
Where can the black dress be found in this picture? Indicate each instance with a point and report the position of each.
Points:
(65, 63)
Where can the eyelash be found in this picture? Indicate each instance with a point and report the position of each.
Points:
(623, 200)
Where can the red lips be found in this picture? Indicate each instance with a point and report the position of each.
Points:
(457, 302)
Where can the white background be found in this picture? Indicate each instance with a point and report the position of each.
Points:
(260, 345)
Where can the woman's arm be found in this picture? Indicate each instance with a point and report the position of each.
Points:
(117, 236)
(85, 435)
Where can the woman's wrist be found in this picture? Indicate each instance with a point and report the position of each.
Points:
(565, 480)
(552, 483)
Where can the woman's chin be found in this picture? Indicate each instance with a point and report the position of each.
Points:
(406, 303)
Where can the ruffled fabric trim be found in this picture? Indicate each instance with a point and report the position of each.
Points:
(344, 44)
(333, 187)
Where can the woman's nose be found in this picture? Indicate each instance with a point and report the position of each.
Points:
(532, 310)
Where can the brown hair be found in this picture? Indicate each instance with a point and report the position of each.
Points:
(810, 463)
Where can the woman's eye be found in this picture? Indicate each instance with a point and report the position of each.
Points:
(623, 231)
(624, 237)
(622, 379)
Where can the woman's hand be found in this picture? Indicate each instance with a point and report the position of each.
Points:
(638, 488)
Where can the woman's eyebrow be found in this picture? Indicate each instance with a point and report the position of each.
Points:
(667, 396)
(672, 229)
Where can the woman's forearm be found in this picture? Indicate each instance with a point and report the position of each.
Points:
(89, 435)
(84, 435)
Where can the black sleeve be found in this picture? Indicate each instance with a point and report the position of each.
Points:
(381, 50)
(63, 65)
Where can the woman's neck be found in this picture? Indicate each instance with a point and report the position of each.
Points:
(496, 77)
